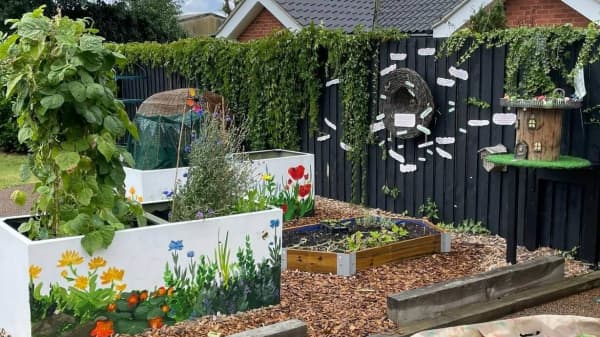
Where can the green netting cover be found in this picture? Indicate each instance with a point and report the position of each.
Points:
(159, 139)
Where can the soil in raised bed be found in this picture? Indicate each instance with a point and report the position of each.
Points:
(323, 237)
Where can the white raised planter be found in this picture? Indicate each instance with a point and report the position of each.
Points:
(140, 252)
(151, 185)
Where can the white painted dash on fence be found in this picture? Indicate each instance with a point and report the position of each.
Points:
(429, 152)
(345, 146)
(323, 138)
(383, 97)
(462, 130)
(332, 82)
(478, 122)
(459, 73)
(445, 82)
(422, 159)
(424, 129)
(504, 118)
(397, 56)
(408, 168)
(401, 132)
(382, 143)
(444, 140)
(380, 117)
(400, 146)
(426, 112)
(375, 127)
(396, 156)
(409, 84)
(388, 70)
(330, 124)
(426, 51)
(426, 144)
(451, 103)
(442, 153)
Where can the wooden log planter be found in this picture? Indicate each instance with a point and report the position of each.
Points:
(347, 263)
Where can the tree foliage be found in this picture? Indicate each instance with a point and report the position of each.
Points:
(120, 21)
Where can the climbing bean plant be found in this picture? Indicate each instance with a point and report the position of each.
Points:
(275, 82)
(534, 55)
(60, 78)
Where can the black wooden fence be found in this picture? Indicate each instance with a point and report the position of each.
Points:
(554, 208)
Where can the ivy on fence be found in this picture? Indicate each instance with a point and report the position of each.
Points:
(275, 82)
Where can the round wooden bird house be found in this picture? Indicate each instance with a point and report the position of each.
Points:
(539, 126)
(407, 104)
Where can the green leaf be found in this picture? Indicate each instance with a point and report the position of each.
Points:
(106, 148)
(128, 158)
(18, 197)
(154, 313)
(91, 42)
(94, 91)
(5, 46)
(114, 125)
(92, 242)
(34, 28)
(24, 134)
(67, 160)
(24, 172)
(53, 102)
(85, 196)
(12, 84)
(78, 91)
(24, 227)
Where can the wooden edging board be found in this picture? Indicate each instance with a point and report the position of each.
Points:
(347, 264)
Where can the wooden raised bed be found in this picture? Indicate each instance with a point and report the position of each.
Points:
(347, 264)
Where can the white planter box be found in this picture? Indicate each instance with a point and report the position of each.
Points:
(141, 252)
(278, 162)
(150, 185)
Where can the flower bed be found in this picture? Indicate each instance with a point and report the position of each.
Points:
(347, 246)
(130, 280)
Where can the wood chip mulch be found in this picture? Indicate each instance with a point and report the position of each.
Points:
(356, 306)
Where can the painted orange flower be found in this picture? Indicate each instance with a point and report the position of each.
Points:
(165, 308)
(155, 323)
(34, 272)
(170, 291)
(140, 198)
(111, 275)
(133, 300)
(64, 273)
(104, 328)
(161, 291)
(132, 190)
(144, 295)
(111, 307)
(70, 258)
(81, 282)
(121, 287)
(96, 262)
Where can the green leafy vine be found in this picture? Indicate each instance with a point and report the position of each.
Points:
(275, 82)
(534, 55)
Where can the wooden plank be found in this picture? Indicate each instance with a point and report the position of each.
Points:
(486, 95)
(427, 169)
(472, 161)
(559, 216)
(396, 252)
(574, 201)
(311, 261)
(410, 145)
(400, 202)
(460, 148)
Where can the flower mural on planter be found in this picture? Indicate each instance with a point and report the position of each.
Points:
(296, 199)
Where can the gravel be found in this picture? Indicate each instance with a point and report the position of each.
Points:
(582, 304)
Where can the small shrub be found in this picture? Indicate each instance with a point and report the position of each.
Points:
(430, 210)
(217, 179)
(468, 226)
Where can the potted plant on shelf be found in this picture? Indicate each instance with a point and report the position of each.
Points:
(74, 261)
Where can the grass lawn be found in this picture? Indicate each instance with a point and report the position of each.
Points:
(9, 170)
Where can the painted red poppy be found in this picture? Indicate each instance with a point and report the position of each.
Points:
(304, 190)
(103, 329)
(296, 172)
(306, 176)
(284, 208)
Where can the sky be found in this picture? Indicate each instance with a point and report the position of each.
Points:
(193, 6)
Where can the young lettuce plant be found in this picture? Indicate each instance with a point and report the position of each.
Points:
(59, 76)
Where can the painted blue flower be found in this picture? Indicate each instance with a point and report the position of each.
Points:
(200, 215)
(187, 149)
(271, 243)
(211, 212)
(193, 134)
(176, 245)
(190, 254)
(185, 174)
(274, 223)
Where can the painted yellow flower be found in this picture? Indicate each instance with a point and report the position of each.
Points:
(34, 271)
(267, 177)
(111, 275)
(140, 198)
(70, 258)
(82, 282)
(132, 190)
(64, 273)
(121, 287)
(96, 262)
